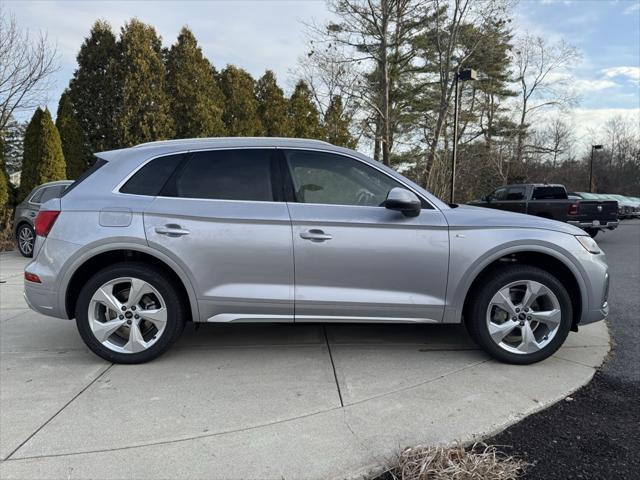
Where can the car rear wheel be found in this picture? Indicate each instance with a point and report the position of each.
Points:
(129, 313)
(520, 315)
(26, 238)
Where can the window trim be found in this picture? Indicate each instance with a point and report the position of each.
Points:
(290, 188)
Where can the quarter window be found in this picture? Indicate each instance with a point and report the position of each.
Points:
(150, 179)
(226, 175)
(325, 178)
(52, 192)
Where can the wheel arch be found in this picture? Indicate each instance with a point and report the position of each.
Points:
(96, 260)
(541, 257)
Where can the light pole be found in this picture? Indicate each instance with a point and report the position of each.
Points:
(461, 75)
(593, 149)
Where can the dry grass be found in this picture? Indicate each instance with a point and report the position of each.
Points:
(482, 462)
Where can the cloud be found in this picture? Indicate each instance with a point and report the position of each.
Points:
(631, 73)
(589, 122)
(634, 7)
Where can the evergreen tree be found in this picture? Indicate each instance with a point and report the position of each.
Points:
(195, 98)
(94, 90)
(336, 124)
(144, 113)
(241, 107)
(72, 138)
(303, 114)
(13, 137)
(272, 106)
(43, 159)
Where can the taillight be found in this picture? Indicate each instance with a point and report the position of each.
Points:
(44, 221)
(573, 209)
(32, 277)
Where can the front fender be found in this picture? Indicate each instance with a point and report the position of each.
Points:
(473, 250)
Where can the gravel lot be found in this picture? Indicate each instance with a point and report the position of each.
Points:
(594, 433)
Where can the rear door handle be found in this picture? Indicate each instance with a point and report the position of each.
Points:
(315, 235)
(172, 230)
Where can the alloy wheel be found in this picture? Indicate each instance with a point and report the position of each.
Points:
(523, 317)
(127, 315)
(26, 240)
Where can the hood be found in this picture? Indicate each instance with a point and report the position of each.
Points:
(479, 217)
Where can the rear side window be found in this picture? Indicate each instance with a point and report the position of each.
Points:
(549, 193)
(38, 195)
(86, 174)
(150, 179)
(225, 175)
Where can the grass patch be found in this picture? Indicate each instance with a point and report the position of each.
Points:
(480, 462)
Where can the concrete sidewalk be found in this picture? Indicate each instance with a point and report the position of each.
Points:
(250, 401)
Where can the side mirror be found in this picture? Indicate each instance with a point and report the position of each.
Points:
(403, 201)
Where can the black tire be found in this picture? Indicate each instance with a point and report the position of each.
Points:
(476, 312)
(592, 232)
(176, 311)
(26, 229)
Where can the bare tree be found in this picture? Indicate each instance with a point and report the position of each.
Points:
(26, 68)
(541, 72)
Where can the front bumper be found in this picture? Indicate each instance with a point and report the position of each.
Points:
(595, 224)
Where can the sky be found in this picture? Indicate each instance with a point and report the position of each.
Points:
(261, 34)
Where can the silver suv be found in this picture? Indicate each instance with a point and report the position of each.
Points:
(283, 230)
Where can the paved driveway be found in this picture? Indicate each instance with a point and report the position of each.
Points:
(246, 401)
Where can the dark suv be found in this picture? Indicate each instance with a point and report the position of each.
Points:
(26, 213)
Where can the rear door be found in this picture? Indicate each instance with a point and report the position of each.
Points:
(222, 218)
(356, 261)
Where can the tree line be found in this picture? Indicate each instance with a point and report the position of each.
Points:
(128, 90)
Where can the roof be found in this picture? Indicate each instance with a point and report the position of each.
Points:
(240, 141)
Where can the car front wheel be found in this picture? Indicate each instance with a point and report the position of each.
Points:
(129, 313)
(26, 238)
(520, 315)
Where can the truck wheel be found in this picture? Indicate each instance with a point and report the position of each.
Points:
(129, 313)
(592, 232)
(520, 315)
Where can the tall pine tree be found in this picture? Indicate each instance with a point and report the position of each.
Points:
(241, 107)
(43, 158)
(336, 124)
(94, 91)
(272, 106)
(195, 98)
(72, 138)
(144, 113)
(303, 114)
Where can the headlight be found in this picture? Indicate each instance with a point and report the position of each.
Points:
(588, 243)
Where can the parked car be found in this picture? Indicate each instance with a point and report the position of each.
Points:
(629, 208)
(552, 201)
(26, 212)
(285, 230)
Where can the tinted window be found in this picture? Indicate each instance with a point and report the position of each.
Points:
(515, 193)
(36, 198)
(86, 174)
(549, 193)
(52, 192)
(326, 178)
(500, 194)
(150, 179)
(226, 175)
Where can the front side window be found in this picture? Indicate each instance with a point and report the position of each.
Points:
(500, 194)
(326, 178)
(516, 193)
(226, 175)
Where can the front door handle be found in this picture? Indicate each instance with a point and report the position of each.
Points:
(172, 230)
(315, 235)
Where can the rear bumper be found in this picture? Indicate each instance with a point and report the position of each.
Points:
(42, 300)
(608, 225)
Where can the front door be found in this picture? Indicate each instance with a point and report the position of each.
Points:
(354, 259)
(221, 218)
